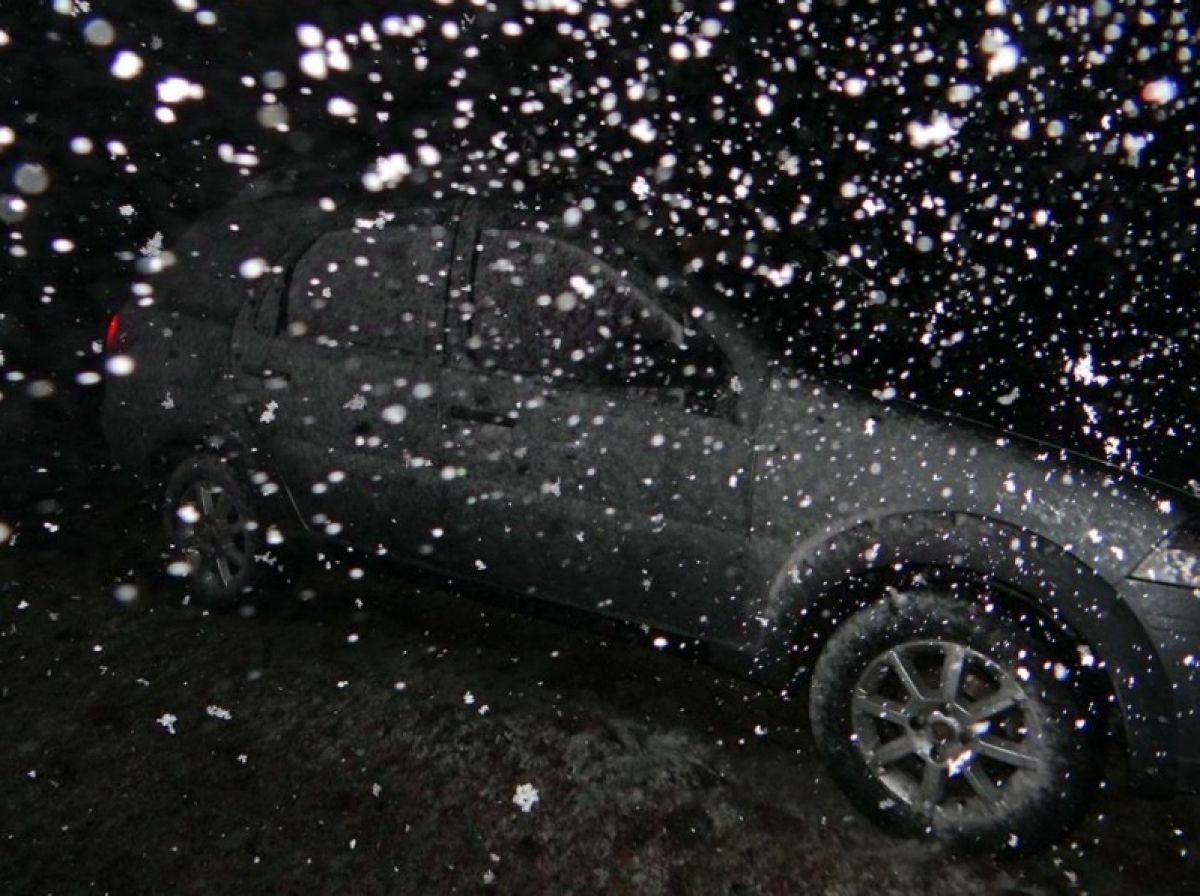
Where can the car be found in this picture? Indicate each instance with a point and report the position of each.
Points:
(539, 399)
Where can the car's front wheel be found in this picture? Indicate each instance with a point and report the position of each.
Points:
(942, 720)
(212, 529)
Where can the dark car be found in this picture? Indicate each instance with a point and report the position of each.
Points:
(540, 402)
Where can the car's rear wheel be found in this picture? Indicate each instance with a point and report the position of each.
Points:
(213, 530)
(941, 720)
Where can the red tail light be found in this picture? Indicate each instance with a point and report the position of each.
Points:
(111, 334)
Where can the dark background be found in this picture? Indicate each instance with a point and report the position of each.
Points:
(656, 776)
(981, 273)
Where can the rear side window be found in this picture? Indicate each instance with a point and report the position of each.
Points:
(370, 287)
(543, 306)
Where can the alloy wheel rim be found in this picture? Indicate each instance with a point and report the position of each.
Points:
(211, 531)
(946, 728)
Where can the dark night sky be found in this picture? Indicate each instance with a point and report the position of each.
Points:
(961, 205)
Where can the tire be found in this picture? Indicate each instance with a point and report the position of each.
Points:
(943, 721)
(213, 531)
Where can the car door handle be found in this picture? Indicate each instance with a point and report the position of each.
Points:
(480, 415)
(274, 378)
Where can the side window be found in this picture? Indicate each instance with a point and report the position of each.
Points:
(546, 307)
(370, 287)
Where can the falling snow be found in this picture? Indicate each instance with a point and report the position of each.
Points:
(987, 210)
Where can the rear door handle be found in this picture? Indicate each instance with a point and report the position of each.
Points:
(480, 415)
(276, 379)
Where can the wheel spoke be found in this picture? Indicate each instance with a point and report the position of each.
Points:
(881, 708)
(933, 784)
(985, 788)
(207, 505)
(1007, 753)
(1004, 698)
(906, 674)
(893, 751)
(952, 669)
(224, 570)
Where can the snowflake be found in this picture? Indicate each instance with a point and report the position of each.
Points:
(525, 797)
(74, 8)
(154, 245)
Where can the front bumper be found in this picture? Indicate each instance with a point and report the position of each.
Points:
(1171, 617)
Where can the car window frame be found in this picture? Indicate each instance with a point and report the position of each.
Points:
(460, 330)
(269, 312)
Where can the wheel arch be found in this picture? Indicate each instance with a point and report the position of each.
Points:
(277, 505)
(826, 579)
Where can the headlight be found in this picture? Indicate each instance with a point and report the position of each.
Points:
(1176, 561)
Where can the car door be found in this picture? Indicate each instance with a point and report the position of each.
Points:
(340, 368)
(594, 448)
